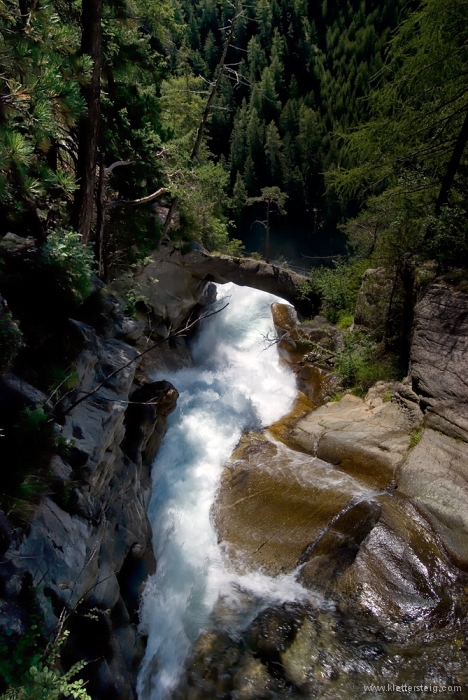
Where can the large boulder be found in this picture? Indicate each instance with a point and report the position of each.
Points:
(275, 506)
(435, 478)
(439, 359)
(373, 300)
(366, 441)
(170, 287)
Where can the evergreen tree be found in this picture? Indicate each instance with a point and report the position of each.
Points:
(411, 153)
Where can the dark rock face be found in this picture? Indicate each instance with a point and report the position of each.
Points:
(439, 359)
(10, 337)
(87, 551)
(182, 279)
(146, 420)
(373, 300)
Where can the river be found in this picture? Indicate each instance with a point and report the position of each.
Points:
(237, 383)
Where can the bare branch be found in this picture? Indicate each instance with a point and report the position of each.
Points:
(117, 164)
(135, 202)
(175, 334)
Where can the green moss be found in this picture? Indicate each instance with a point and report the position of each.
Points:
(345, 319)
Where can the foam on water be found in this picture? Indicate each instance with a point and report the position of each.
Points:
(237, 383)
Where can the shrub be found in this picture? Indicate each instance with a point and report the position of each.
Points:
(75, 260)
(44, 682)
(361, 363)
(448, 243)
(336, 287)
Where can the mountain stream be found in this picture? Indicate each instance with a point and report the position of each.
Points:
(246, 620)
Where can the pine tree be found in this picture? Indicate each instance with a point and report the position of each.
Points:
(273, 147)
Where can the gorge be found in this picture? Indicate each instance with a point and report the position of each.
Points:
(342, 528)
(225, 476)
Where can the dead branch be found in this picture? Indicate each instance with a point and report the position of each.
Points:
(117, 164)
(174, 334)
(135, 202)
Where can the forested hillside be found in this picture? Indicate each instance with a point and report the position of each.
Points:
(126, 81)
(123, 121)
(298, 74)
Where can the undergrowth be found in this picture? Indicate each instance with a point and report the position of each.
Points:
(337, 288)
(363, 362)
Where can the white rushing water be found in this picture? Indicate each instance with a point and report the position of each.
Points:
(237, 384)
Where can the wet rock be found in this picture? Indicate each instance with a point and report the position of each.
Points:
(145, 420)
(336, 548)
(272, 632)
(366, 442)
(273, 503)
(435, 478)
(308, 350)
(400, 574)
(284, 317)
(252, 681)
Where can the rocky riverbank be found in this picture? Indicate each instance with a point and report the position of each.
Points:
(366, 500)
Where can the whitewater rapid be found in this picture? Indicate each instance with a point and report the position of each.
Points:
(237, 383)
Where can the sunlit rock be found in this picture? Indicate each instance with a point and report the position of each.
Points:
(435, 478)
(275, 504)
(367, 442)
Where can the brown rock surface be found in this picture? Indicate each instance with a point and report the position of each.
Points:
(367, 442)
(439, 359)
(275, 503)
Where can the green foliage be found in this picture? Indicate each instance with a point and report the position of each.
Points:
(361, 363)
(448, 243)
(65, 250)
(345, 319)
(415, 438)
(410, 155)
(41, 103)
(271, 197)
(337, 288)
(298, 75)
(18, 654)
(39, 680)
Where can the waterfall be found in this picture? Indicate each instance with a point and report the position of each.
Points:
(237, 383)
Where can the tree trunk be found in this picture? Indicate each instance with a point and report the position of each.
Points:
(267, 243)
(91, 13)
(452, 167)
